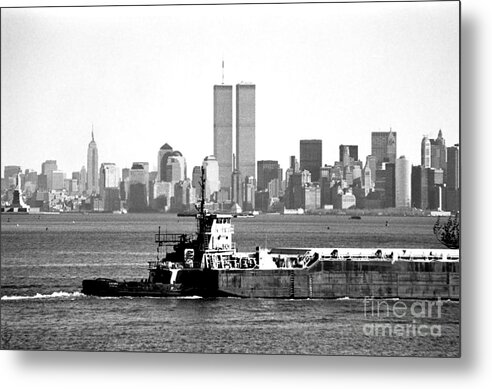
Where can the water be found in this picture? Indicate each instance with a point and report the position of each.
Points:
(44, 259)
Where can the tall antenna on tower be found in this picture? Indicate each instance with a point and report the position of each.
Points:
(222, 70)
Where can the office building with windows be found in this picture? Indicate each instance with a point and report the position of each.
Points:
(92, 168)
(245, 129)
(383, 146)
(403, 182)
(267, 171)
(223, 133)
(310, 157)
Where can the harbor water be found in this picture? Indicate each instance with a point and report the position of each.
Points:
(44, 259)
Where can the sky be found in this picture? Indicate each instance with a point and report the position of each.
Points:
(144, 76)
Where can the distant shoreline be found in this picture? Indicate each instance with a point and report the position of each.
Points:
(320, 212)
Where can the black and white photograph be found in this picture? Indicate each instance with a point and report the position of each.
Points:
(267, 179)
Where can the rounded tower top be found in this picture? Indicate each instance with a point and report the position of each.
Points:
(137, 166)
(440, 140)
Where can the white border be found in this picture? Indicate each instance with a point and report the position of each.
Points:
(123, 370)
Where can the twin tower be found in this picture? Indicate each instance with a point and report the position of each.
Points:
(243, 161)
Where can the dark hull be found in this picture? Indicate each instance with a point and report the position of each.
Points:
(325, 280)
(110, 288)
(354, 279)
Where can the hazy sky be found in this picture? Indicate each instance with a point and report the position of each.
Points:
(144, 76)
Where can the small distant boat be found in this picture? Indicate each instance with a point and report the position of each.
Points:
(243, 215)
(355, 217)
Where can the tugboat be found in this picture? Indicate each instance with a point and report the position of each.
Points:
(185, 271)
(208, 264)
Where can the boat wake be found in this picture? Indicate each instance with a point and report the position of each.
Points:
(44, 296)
(146, 297)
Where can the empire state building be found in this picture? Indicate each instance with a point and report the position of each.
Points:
(92, 171)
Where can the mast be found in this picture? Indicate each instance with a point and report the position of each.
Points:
(222, 70)
(201, 220)
(202, 189)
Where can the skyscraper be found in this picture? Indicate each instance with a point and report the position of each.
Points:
(196, 179)
(31, 179)
(48, 166)
(249, 193)
(453, 168)
(389, 185)
(366, 180)
(223, 133)
(47, 169)
(237, 189)
(109, 176)
(138, 187)
(294, 164)
(212, 184)
(383, 147)
(109, 182)
(267, 171)
(92, 168)
(145, 165)
(164, 153)
(425, 152)
(83, 180)
(420, 187)
(310, 156)
(379, 145)
(438, 152)
(184, 195)
(294, 194)
(435, 187)
(371, 165)
(245, 129)
(175, 167)
(12, 171)
(56, 180)
(353, 152)
(403, 175)
(391, 147)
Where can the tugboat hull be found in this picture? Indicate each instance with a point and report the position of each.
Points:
(188, 282)
(104, 287)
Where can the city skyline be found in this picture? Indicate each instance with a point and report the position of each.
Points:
(166, 152)
(67, 71)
